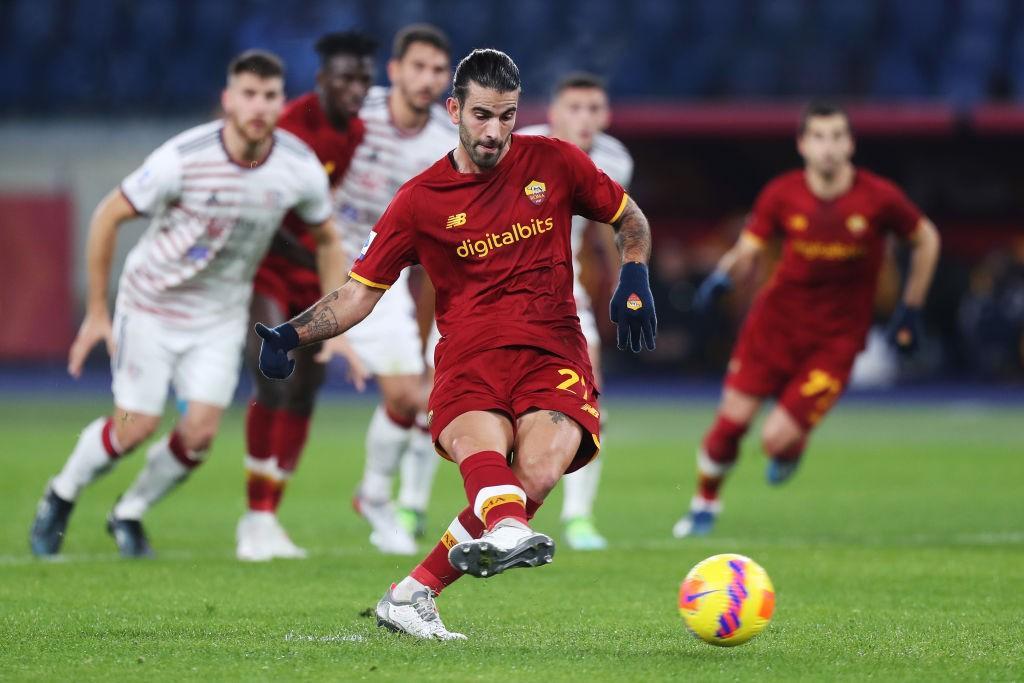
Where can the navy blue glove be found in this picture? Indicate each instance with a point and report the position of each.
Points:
(277, 342)
(632, 308)
(714, 286)
(905, 329)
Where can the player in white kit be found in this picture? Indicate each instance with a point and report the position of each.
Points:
(216, 194)
(579, 113)
(406, 132)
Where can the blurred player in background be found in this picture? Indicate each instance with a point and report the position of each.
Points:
(514, 403)
(287, 282)
(579, 113)
(406, 131)
(216, 194)
(807, 325)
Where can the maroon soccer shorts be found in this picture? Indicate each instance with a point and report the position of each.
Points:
(293, 288)
(806, 376)
(513, 381)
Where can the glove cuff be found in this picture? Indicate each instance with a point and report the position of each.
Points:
(634, 268)
(289, 337)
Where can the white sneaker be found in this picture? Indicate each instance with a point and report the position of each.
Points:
(389, 535)
(417, 616)
(508, 545)
(261, 538)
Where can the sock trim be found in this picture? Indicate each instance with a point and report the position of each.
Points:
(399, 420)
(188, 459)
(491, 497)
(109, 438)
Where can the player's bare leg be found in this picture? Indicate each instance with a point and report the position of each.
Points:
(545, 443)
(783, 440)
(169, 461)
(388, 436)
(100, 445)
(580, 489)
(715, 458)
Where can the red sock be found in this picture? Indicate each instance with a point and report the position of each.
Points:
(435, 571)
(189, 458)
(494, 492)
(721, 445)
(531, 508)
(261, 484)
(291, 430)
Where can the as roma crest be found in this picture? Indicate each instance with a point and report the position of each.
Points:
(536, 192)
(856, 224)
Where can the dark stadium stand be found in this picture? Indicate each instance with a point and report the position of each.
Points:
(97, 56)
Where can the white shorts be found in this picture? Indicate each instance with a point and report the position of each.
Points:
(431, 346)
(388, 340)
(589, 325)
(152, 356)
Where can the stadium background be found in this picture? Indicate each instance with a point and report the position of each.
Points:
(896, 551)
(705, 95)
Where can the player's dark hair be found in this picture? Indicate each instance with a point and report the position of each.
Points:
(578, 79)
(491, 69)
(420, 33)
(354, 43)
(260, 63)
(817, 108)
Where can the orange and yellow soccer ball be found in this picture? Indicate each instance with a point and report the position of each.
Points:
(726, 600)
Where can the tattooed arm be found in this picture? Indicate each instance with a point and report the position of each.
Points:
(335, 313)
(633, 234)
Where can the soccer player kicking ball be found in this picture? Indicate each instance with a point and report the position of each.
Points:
(807, 325)
(216, 194)
(287, 282)
(514, 402)
(579, 113)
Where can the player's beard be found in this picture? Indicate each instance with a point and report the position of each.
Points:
(411, 101)
(253, 136)
(470, 145)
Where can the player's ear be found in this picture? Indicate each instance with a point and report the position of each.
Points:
(454, 109)
(392, 70)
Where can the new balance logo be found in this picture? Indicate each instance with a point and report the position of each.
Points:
(455, 221)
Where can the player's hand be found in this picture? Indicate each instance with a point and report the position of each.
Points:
(905, 329)
(632, 309)
(277, 342)
(339, 346)
(95, 328)
(714, 286)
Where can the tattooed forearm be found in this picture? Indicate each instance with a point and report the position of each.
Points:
(556, 416)
(633, 234)
(318, 322)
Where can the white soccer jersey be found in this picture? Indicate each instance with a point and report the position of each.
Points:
(612, 157)
(213, 220)
(383, 162)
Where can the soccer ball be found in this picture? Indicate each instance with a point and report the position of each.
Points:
(726, 600)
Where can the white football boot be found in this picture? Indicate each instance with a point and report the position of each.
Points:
(388, 534)
(509, 544)
(261, 538)
(417, 616)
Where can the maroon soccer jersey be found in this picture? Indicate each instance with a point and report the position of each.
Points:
(303, 117)
(832, 252)
(496, 245)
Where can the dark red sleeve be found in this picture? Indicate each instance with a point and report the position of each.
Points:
(763, 222)
(595, 196)
(902, 215)
(390, 245)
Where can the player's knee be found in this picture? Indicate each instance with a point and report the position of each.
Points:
(131, 429)
(198, 438)
(541, 474)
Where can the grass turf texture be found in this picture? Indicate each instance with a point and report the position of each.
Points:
(897, 553)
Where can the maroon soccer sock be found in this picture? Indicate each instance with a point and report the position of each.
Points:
(261, 484)
(493, 490)
(720, 449)
(435, 571)
(291, 431)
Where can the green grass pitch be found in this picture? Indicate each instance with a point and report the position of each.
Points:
(897, 553)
